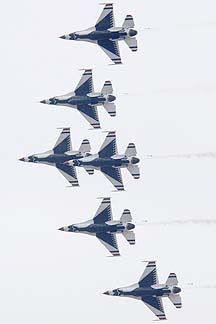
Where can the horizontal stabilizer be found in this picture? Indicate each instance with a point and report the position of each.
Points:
(134, 170)
(128, 22)
(126, 216)
(110, 108)
(132, 43)
(130, 236)
(85, 146)
(131, 150)
(107, 88)
(89, 170)
(176, 300)
(172, 280)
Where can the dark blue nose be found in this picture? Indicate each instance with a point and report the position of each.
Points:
(176, 290)
(132, 32)
(130, 226)
(134, 160)
(111, 98)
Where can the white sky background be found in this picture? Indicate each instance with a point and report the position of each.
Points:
(48, 276)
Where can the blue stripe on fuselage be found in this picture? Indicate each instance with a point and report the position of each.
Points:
(102, 228)
(103, 162)
(59, 158)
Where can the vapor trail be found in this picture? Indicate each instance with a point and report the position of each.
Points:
(184, 156)
(192, 286)
(179, 26)
(180, 222)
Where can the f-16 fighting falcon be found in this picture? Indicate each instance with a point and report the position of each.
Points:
(85, 100)
(62, 152)
(109, 162)
(106, 35)
(105, 228)
(150, 292)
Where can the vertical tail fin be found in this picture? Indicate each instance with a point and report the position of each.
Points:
(126, 216)
(85, 146)
(107, 88)
(128, 22)
(172, 280)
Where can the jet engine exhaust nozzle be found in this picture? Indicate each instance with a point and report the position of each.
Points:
(132, 32)
(111, 98)
(130, 226)
(134, 160)
(176, 290)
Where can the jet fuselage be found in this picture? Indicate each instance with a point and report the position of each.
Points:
(51, 158)
(118, 33)
(96, 100)
(99, 228)
(164, 291)
(106, 162)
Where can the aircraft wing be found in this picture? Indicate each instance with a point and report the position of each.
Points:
(106, 19)
(109, 241)
(85, 84)
(90, 113)
(114, 176)
(155, 305)
(149, 276)
(104, 212)
(111, 48)
(63, 143)
(109, 146)
(69, 172)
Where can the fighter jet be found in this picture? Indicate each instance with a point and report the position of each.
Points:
(62, 152)
(85, 100)
(109, 162)
(105, 228)
(106, 35)
(150, 292)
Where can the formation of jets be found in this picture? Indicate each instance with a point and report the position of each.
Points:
(107, 160)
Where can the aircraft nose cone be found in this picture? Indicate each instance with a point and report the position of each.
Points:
(63, 37)
(106, 292)
(43, 101)
(61, 229)
(22, 159)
